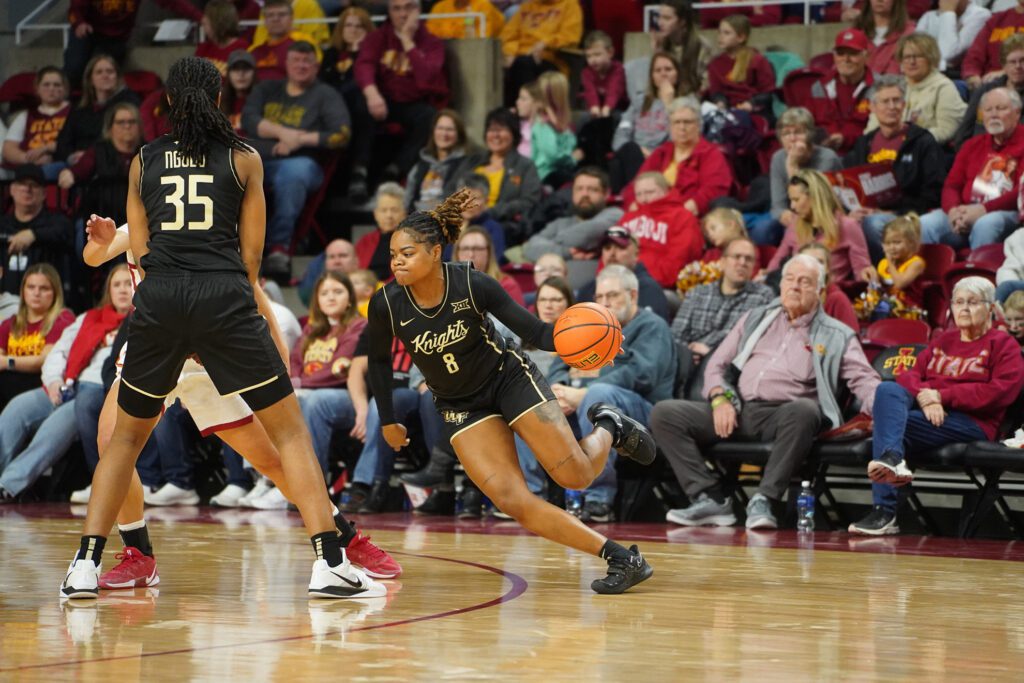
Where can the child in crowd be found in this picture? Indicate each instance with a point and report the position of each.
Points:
(364, 283)
(836, 305)
(1013, 314)
(721, 226)
(604, 79)
(898, 276)
(740, 73)
(546, 118)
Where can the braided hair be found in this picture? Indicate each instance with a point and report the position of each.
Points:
(192, 88)
(440, 225)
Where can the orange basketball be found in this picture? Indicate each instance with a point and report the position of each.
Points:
(587, 336)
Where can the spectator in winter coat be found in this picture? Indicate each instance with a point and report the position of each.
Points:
(582, 233)
(918, 163)
(401, 70)
(669, 236)
(981, 63)
(839, 100)
(957, 391)
(433, 178)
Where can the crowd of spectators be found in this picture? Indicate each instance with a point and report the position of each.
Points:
(745, 217)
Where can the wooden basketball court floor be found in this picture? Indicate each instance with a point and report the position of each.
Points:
(483, 600)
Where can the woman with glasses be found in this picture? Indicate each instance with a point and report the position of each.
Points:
(958, 390)
(817, 217)
(933, 102)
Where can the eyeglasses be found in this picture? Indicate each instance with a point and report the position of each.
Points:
(912, 57)
(802, 282)
(609, 296)
(969, 303)
(891, 102)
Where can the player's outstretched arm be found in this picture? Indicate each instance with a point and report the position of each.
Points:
(252, 218)
(379, 370)
(490, 297)
(138, 222)
(106, 242)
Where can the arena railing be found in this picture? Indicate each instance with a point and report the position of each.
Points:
(651, 11)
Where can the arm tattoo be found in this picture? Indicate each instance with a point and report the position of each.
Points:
(549, 412)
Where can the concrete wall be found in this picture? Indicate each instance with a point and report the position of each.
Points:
(805, 41)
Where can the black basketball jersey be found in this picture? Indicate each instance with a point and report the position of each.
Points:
(192, 208)
(454, 344)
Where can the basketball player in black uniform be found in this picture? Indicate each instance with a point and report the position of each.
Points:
(485, 387)
(197, 219)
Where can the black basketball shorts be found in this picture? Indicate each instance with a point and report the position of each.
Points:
(212, 315)
(518, 388)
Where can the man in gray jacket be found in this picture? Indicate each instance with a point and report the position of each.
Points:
(775, 377)
(583, 231)
(643, 374)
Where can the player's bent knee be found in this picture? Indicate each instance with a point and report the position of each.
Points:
(268, 394)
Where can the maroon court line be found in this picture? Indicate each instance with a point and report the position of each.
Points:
(519, 586)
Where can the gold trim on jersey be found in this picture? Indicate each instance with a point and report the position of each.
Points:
(533, 407)
(254, 386)
(145, 393)
(469, 287)
(234, 173)
(467, 427)
(526, 369)
(488, 340)
(440, 307)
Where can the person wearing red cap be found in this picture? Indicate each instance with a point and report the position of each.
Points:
(884, 22)
(981, 63)
(954, 25)
(839, 101)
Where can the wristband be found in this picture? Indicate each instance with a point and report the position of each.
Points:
(719, 400)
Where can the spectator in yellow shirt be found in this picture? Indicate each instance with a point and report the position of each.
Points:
(467, 27)
(531, 39)
(301, 9)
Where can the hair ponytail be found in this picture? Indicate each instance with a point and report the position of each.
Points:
(443, 224)
(193, 85)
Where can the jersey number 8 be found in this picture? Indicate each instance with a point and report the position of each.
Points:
(449, 363)
(194, 199)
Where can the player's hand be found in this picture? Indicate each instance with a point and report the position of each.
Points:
(20, 241)
(100, 230)
(725, 420)
(395, 435)
(358, 430)
(53, 391)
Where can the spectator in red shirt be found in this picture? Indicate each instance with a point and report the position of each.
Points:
(32, 137)
(668, 235)
(272, 54)
(401, 70)
(696, 168)
(839, 101)
(741, 73)
(981, 63)
(223, 34)
(884, 22)
(154, 115)
(237, 86)
(604, 79)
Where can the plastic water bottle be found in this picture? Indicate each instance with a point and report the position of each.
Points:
(805, 508)
(574, 502)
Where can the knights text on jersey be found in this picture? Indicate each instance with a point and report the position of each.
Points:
(453, 344)
(192, 208)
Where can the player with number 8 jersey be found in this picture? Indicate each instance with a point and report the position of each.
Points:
(486, 389)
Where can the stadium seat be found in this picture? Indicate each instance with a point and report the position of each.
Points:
(990, 256)
(937, 260)
(19, 91)
(959, 271)
(796, 87)
(142, 83)
(522, 273)
(897, 331)
(307, 221)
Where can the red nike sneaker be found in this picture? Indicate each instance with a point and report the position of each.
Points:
(135, 570)
(375, 562)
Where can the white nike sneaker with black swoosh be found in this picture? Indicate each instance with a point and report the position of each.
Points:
(343, 581)
(82, 581)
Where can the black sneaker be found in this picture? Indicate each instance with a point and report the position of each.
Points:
(623, 574)
(354, 498)
(377, 499)
(630, 438)
(879, 522)
(472, 503)
(437, 503)
(594, 511)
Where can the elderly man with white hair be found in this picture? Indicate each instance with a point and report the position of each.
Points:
(775, 377)
(979, 197)
(957, 391)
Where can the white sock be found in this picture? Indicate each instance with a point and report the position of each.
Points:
(133, 526)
